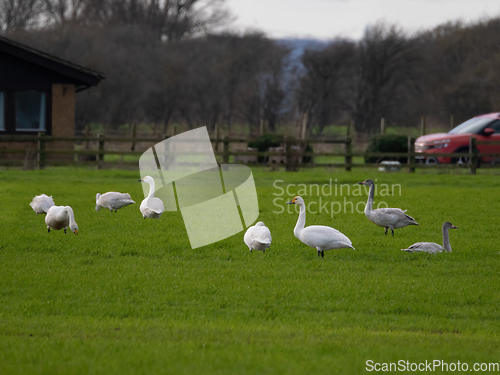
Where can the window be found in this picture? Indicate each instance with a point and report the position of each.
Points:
(2, 111)
(495, 125)
(30, 111)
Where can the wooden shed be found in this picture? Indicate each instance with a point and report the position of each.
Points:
(38, 92)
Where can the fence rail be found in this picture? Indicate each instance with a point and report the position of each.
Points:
(291, 154)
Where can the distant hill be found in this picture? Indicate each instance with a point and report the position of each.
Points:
(298, 45)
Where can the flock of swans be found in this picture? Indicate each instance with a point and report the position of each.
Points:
(62, 217)
(257, 237)
(324, 238)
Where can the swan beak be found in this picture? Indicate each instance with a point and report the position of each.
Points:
(292, 202)
(454, 227)
(76, 231)
(139, 180)
(361, 183)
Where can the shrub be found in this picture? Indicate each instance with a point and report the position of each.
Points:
(263, 142)
(387, 143)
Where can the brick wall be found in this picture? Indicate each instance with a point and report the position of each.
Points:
(63, 119)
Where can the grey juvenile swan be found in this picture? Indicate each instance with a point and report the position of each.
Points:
(389, 218)
(431, 247)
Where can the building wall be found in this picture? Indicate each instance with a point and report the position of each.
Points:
(63, 119)
(62, 125)
(63, 110)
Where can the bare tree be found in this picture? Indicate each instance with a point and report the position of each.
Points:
(327, 81)
(385, 63)
(19, 14)
(60, 12)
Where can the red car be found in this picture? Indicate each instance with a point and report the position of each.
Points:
(483, 127)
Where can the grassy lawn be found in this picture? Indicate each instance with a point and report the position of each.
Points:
(130, 296)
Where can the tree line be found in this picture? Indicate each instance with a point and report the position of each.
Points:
(177, 61)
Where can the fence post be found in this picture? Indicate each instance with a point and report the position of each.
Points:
(348, 153)
(288, 153)
(411, 159)
(134, 130)
(382, 126)
(472, 155)
(225, 156)
(216, 137)
(40, 151)
(216, 131)
(422, 125)
(100, 154)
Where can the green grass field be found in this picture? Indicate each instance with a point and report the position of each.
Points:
(130, 296)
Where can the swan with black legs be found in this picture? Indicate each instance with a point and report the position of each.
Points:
(61, 217)
(112, 200)
(258, 237)
(389, 218)
(320, 237)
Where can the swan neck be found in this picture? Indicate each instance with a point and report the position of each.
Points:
(446, 240)
(301, 222)
(151, 189)
(71, 215)
(369, 203)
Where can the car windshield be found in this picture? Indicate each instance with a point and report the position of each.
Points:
(472, 126)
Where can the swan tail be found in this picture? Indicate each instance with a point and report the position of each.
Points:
(410, 250)
(264, 242)
(412, 220)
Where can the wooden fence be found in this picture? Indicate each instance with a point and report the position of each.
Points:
(290, 155)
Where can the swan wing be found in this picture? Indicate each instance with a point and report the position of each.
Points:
(115, 200)
(248, 237)
(257, 237)
(323, 237)
(426, 247)
(262, 235)
(391, 216)
(155, 205)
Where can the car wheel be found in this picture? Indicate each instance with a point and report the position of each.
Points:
(463, 160)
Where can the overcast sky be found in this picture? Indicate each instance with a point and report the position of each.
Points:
(326, 19)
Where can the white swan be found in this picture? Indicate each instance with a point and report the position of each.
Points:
(41, 203)
(318, 236)
(61, 217)
(258, 237)
(112, 200)
(151, 206)
(389, 218)
(431, 247)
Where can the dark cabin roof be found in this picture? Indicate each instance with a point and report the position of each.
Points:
(61, 71)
